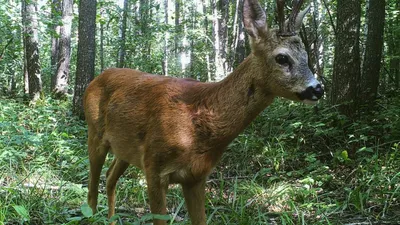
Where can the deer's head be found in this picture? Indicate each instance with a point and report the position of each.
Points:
(280, 53)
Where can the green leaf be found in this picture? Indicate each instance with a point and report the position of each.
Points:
(86, 210)
(365, 149)
(345, 155)
(22, 212)
(148, 217)
(162, 217)
(114, 218)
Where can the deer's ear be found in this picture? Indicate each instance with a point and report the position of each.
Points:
(300, 17)
(254, 19)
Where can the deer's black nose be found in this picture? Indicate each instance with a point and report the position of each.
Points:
(312, 93)
(318, 91)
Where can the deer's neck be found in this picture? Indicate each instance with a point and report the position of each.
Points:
(234, 102)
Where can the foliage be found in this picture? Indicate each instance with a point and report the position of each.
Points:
(290, 166)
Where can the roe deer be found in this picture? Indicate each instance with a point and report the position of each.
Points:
(175, 130)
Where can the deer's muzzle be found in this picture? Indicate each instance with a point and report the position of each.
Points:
(311, 93)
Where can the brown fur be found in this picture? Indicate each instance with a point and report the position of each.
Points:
(176, 130)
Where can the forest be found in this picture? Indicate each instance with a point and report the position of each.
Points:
(336, 162)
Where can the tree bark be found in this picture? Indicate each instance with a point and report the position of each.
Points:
(393, 42)
(241, 38)
(178, 32)
(373, 50)
(346, 68)
(122, 51)
(238, 43)
(165, 58)
(29, 10)
(86, 53)
(55, 17)
(219, 72)
(102, 22)
(223, 11)
(207, 31)
(318, 40)
(25, 69)
(64, 52)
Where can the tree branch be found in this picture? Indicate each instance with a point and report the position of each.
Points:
(5, 47)
(330, 17)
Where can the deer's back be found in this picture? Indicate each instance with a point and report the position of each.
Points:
(145, 118)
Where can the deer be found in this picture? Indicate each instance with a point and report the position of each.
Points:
(175, 130)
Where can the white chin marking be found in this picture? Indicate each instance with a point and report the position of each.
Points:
(310, 102)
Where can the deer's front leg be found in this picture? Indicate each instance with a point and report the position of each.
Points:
(194, 194)
(157, 189)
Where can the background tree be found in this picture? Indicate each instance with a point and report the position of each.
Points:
(86, 53)
(239, 37)
(122, 51)
(56, 14)
(393, 43)
(60, 88)
(373, 50)
(346, 69)
(101, 53)
(31, 40)
(223, 21)
(165, 59)
(178, 31)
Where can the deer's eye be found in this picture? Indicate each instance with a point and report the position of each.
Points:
(282, 60)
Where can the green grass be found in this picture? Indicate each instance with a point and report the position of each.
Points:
(293, 165)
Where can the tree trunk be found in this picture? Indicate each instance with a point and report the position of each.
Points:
(165, 58)
(122, 39)
(241, 38)
(237, 44)
(102, 45)
(223, 8)
(206, 29)
(25, 69)
(86, 53)
(178, 32)
(318, 40)
(393, 43)
(373, 50)
(64, 51)
(346, 68)
(29, 10)
(219, 72)
(55, 17)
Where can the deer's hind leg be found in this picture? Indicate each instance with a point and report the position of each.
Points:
(97, 154)
(157, 189)
(194, 194)
(117, 168)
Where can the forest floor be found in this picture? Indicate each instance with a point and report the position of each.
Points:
(294, 164)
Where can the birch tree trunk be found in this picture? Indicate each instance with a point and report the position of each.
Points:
(223, 14)
(64, 51)
(55, 17)
(219, 72)
(29, 10)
